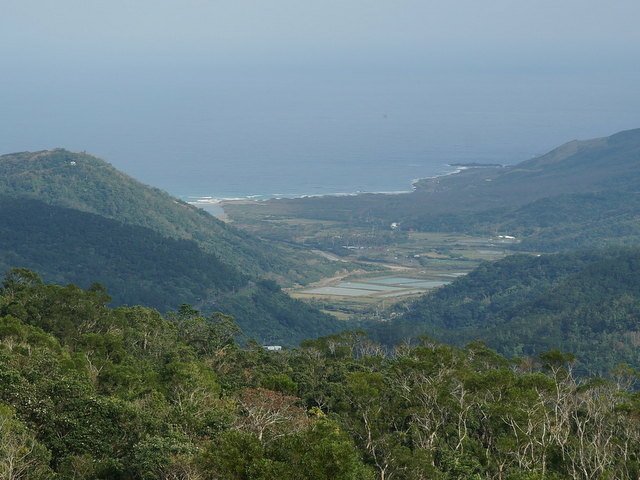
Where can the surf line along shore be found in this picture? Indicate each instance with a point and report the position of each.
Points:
(215, 205)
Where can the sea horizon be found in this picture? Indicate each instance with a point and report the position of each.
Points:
(223, 134)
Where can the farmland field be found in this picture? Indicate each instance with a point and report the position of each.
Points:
(376, 267)
(382, 287)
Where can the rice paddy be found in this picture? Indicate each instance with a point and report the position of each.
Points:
(377, 287)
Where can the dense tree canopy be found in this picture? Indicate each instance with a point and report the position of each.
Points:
(140, 266)
(83, 182)
(586, 302)
(87, 391)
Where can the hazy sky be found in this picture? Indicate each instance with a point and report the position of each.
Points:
(453, 34)
(204, 96)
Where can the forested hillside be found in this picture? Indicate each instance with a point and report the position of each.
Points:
(90, 392)
(566, 222)
(76, 219)
(586, 303)
(140, 266)
(86, 183)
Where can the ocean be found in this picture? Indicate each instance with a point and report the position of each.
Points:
(217, 134)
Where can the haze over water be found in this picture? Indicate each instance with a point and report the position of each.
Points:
(210, 99)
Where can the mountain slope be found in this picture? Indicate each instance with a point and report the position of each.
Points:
(576, 167)
(86, 183)
(580, 220)
(587, 303)
(137, 265)
(125, 394)
(580, 166)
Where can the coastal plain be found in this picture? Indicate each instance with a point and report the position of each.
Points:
(381, 267)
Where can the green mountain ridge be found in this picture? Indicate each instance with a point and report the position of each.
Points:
(139, 266)
(75, 219)
(586, 303)
(576, 167)
(136, 264)
(84, 182)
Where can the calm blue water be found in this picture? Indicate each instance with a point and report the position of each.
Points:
(211, 133)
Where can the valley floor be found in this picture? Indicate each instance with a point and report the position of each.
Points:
(382, 268)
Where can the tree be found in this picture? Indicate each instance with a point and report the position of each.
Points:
(269, 415)
(21, 456)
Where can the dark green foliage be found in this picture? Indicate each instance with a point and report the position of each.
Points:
(76, 219)
(576, 221)
(136, 264)
(21, 454)
(139, 266)
(266, 313)
(587, 303)
(91, 392)
(124, 393)
(82, 182)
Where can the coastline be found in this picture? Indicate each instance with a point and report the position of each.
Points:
(215, 205)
